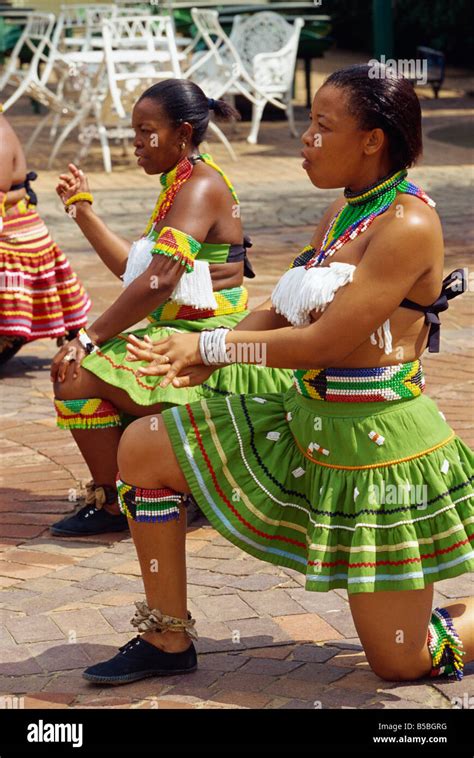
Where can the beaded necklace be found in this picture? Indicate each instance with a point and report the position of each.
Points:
(361, 209)
(171, 183)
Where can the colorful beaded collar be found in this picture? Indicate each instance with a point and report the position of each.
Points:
(172, 181)
(361, 209)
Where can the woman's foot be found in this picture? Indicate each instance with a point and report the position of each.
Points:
(169, 642)
(139, 659)
(89, 520)
(100, 514)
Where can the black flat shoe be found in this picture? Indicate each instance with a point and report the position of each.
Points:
(139, 659)
(193, 511)
(89, 520)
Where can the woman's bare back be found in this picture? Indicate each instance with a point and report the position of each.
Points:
(14, 166)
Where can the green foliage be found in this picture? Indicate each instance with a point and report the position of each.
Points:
(446, 26)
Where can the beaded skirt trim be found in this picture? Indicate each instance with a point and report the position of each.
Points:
(361, 385)
(229, 301)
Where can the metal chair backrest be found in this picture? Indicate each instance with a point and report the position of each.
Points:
(35, 38)
(139, 50)
(35, 35)
(265, 32)
(219, 46)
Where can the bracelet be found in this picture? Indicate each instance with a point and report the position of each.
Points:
(79, 196)
(212, 347)
(86, 341)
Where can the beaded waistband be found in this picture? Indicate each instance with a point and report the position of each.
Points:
(233, 300)
(361, 385)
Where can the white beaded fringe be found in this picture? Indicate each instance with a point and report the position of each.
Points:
(139, 258)
(195, 288)
(301, 290)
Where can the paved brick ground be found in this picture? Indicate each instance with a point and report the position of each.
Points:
(264, 641)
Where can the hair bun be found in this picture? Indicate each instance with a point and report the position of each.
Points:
(211, 103)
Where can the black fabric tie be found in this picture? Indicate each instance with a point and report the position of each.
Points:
(30, 177)
(453, 285)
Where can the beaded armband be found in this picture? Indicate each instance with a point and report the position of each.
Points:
(304, 257)
(177, 245)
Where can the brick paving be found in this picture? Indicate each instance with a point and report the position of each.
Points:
(264, 641)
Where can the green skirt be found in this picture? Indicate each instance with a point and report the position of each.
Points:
(109, 364)
(302, 483)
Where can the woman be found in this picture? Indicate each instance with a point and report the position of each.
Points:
(40, 295)
(184, 274)
(300, 479)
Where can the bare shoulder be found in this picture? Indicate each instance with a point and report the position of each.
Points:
(9, 139)
(408, 237)
(411, 218)
(207, 181)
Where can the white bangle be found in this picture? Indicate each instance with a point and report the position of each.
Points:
(212, 347)
(86, 342)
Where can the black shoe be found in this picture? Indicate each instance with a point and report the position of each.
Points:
(89, 520)
(193, 511)
(139, 659)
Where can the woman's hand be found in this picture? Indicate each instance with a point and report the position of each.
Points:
(72, 183)
(167, 357)
(71, 352)
(193, 376)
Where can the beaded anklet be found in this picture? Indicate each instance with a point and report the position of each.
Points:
(99, 495)
(147, 620)
(445, 645)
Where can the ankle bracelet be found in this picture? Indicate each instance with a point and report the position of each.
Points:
(146, 620)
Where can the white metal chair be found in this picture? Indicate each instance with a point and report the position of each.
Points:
(35, 37)
(137, 48)
(72, 99)
(267, 46)
(83, 21)
(220, 69)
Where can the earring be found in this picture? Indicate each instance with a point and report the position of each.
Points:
(183, 145)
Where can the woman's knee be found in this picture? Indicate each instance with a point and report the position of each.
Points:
(74, 389)
(398, 669)
(136, 443)
(62, 391)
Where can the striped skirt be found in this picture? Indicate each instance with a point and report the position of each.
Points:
(40, 295)
(367, 496)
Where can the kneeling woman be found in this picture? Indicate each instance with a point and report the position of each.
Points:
(312, 467)
(186, 271)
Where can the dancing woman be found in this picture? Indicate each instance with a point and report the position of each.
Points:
(300, 479)
(185, 274)
(40, 295)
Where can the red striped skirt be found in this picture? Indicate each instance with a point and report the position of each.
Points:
(40, 295)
